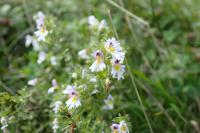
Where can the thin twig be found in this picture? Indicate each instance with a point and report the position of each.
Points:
(158, 104)
(142, 21)
(138, 96)
(134, 37)
(6, 88)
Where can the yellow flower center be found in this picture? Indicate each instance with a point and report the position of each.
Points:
(74, 99)
(123, 128)
(115, 131)
(43, 30)
(98, 59)
(117, 67)
(111, 49)
(110, 102)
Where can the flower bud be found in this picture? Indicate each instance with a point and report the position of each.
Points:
(74, 75)
(108, 83)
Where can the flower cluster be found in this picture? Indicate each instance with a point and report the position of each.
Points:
(38, 37)
(111, 56)
(119, 128)
(106, 56)
(40, 33)
(112, 46)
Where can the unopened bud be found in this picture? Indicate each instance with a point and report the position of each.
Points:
(74, 75)
(108, 83)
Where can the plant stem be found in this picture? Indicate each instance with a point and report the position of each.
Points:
(7, 88)
(145, 23)
(138, 96)
(133, 82)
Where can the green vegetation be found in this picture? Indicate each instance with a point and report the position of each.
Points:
(160, 91)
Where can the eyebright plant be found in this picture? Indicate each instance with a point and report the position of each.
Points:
(88, 102)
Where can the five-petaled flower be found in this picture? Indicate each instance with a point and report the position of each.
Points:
(98, 64)
(41, 57)
(117, 69)
(83, 54)
(115, 128)
(32, 40)
(40, 18)
(33, 82)
(74, 100)
(113, 47)
(109, 103)
(41, 32)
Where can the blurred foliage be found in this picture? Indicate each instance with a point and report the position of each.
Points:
(164, 60)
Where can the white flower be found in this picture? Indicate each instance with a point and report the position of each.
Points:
(83, 86)
(115, 128)
(31, 40)
(93, 79)
(28, 40)
(41, 57)
(74, 100)
(109, 103)
(95, 24)
(32, 82)
(54, 83)
(55, 125)
(113, 47)
(123, 128)
(57, 105)
(41, 33)
(70, 89)
(53, 88)
(74, 75)
(98, 64)
(95, 91)
(92, 21)
(83, 54)
(117, 69)
(4, 123)
(102, 25)
(40, 17)
(53, 61)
